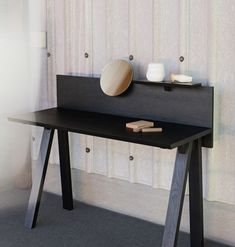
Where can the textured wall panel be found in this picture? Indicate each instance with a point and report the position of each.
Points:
(141, 47)
(99, 59)
(118, 159)
(117, 29)
(166, 50)
(151, 30)
(141, 35)
(99, 162)
(143, 163)
(221, 169)
(166, 34)
(117, 45)
(99, 29)
(198, 40)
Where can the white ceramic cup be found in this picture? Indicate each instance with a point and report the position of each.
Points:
(156, 72)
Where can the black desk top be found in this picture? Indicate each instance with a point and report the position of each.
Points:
(113, 127)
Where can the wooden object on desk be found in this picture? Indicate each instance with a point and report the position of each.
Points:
(181, 78)
(151, 130)
(139, 124)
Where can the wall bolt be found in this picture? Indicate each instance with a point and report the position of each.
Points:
(181, 59)
(131, 158)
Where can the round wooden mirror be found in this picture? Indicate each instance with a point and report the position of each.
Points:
(116, 77)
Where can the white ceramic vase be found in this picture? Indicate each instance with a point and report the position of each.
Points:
(156, 72)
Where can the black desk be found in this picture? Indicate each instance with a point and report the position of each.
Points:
(187, 139)
(113, 127)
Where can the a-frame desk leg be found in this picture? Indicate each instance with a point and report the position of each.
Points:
(65, 171)
(196, 196)
(176, 198)
(39, 178)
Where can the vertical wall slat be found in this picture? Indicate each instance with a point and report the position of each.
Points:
(68, 61)
(184, 34)
(73, 39)
(166, 50)
(59, 36)
(88, 48)
(117, 39)
(198, 40)
(141, 35)
(99, 161)
(213, 31)
(52, 60)
(78, 40)
(118, 159)
(141, 47)
(99, 36)
(88, 36)
(167, 34)
(198, 51)
(117, 29)
(51, 41)
(143, 163)
(100, 149)
(220, 184)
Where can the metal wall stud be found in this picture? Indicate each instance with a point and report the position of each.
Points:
(181, 58)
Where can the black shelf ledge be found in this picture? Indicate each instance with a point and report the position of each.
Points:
(168, 85)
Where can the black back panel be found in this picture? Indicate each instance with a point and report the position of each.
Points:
(191, 106)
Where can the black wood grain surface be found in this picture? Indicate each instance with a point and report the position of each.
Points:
(144, 100)
(113, 127)
(176, 197)
(39, 178)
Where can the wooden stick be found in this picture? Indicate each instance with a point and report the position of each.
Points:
(152, 130)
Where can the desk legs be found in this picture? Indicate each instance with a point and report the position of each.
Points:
(196, 196)
(39, 178)
(176, 198)
(65, 171)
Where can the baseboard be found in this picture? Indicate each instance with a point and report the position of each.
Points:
(143, 202)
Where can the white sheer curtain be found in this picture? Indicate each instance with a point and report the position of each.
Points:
(20, 87)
